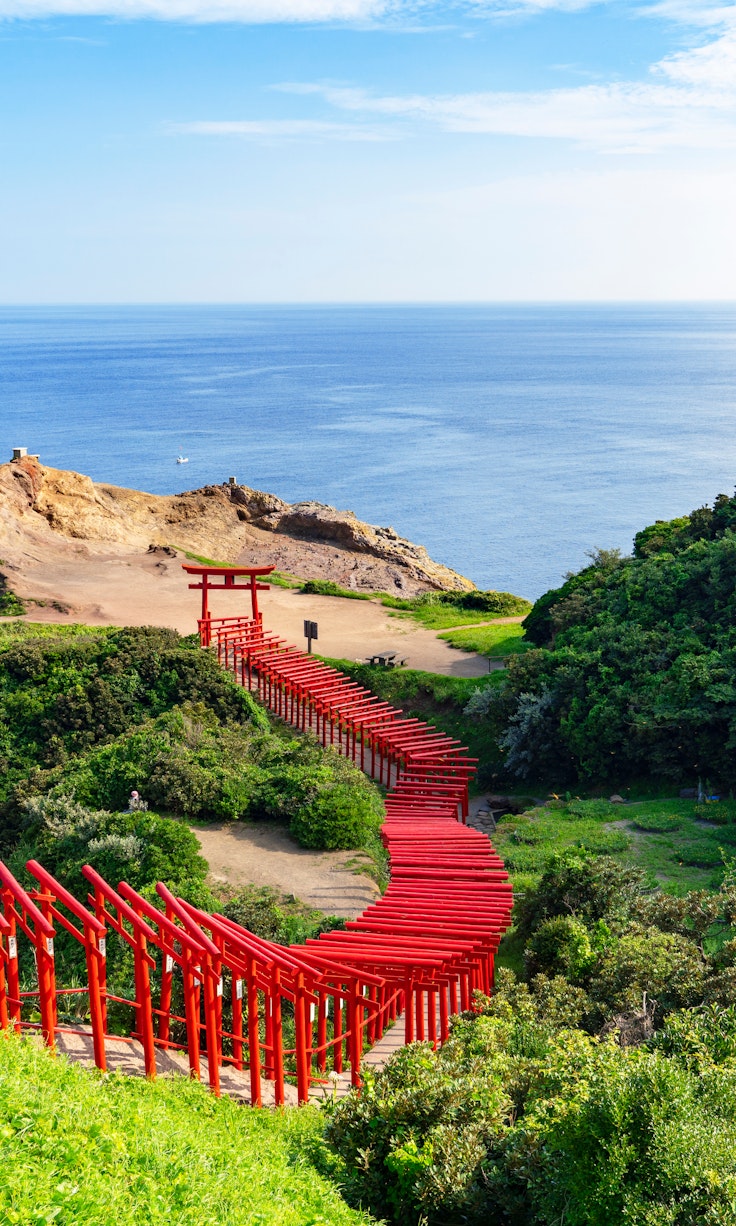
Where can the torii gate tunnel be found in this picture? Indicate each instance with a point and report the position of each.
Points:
(421, 950)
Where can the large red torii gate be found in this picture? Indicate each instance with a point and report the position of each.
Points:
(228, 576)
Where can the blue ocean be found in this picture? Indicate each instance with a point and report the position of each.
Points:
(507, 439)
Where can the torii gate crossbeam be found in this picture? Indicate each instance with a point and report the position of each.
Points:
(225, 580)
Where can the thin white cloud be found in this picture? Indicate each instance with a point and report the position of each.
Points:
(711, 67)
(688, 101)
(361, 12)
(286, 129)
(247, 11)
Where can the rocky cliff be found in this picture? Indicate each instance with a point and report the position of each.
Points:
(48, 513)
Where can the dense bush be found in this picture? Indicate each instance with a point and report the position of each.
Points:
(575, 883)
(185, 762)
(634, 670)
(591, 921)
(276, 917)
(59, 696)
(414, 1141)
(138, 847)
(600, 1091)
(518, 1120)
(93, 716)
(490, 603)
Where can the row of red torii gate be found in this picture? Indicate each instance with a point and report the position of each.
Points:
(221, 996)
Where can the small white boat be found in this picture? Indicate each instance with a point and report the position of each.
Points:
(182, 459)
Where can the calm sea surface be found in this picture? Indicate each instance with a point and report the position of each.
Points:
(508, 440)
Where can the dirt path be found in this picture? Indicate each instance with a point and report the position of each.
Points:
(264, 855)
(137, 589)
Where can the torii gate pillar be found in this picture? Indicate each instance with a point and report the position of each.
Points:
(227, 576)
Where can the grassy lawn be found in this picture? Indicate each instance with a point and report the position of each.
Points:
(681, 845)
(79, 1149)
(439, 616)
(490, 640)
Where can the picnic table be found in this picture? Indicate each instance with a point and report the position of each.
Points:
(386, 659)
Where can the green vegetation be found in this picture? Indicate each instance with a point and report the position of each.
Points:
(633, 673)
(596, 1088)
(77, 1149)
(11, 605)
(439, 610)
(679, 844)
(518, 1121)
(277, 578)
(326, 587)
(89, 716)
(490, 640)
(447, 702)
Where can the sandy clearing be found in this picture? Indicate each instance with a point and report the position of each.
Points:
(265, 855)
(148, 589)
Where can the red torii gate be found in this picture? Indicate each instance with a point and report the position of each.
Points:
(227, 576)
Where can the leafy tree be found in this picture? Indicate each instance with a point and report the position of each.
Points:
(636, 667)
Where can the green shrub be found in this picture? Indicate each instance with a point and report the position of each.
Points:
(275, 917)
(702, 854)
(577, 883)
(338, 817)
(589, 1133)
(414, 1142)
(139, 847)
(665, 966)
(657, 823)
(187, 763)
(721, 812)
(561, 946)
(326, 587)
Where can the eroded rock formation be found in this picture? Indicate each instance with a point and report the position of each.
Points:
(51, 512)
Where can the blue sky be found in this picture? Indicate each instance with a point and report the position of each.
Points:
(366, 150)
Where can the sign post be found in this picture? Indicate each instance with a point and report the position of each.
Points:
(310, 632)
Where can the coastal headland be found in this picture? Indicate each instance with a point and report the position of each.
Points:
(76, 550)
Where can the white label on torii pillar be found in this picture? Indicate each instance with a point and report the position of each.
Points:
(238, 989)
(50, 946)
(12, 947)
(169, 964)
(219, 986)
(102, 947)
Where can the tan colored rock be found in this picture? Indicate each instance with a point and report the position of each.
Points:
(42, 508)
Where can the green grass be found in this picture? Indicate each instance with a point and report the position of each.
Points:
(196, 557)
(440, 616)
(13, 631)
(489, 640)
(669, 839)
(435, 698)
(326, 587)
(11, 605)
(79, 1149)
(277, 578)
